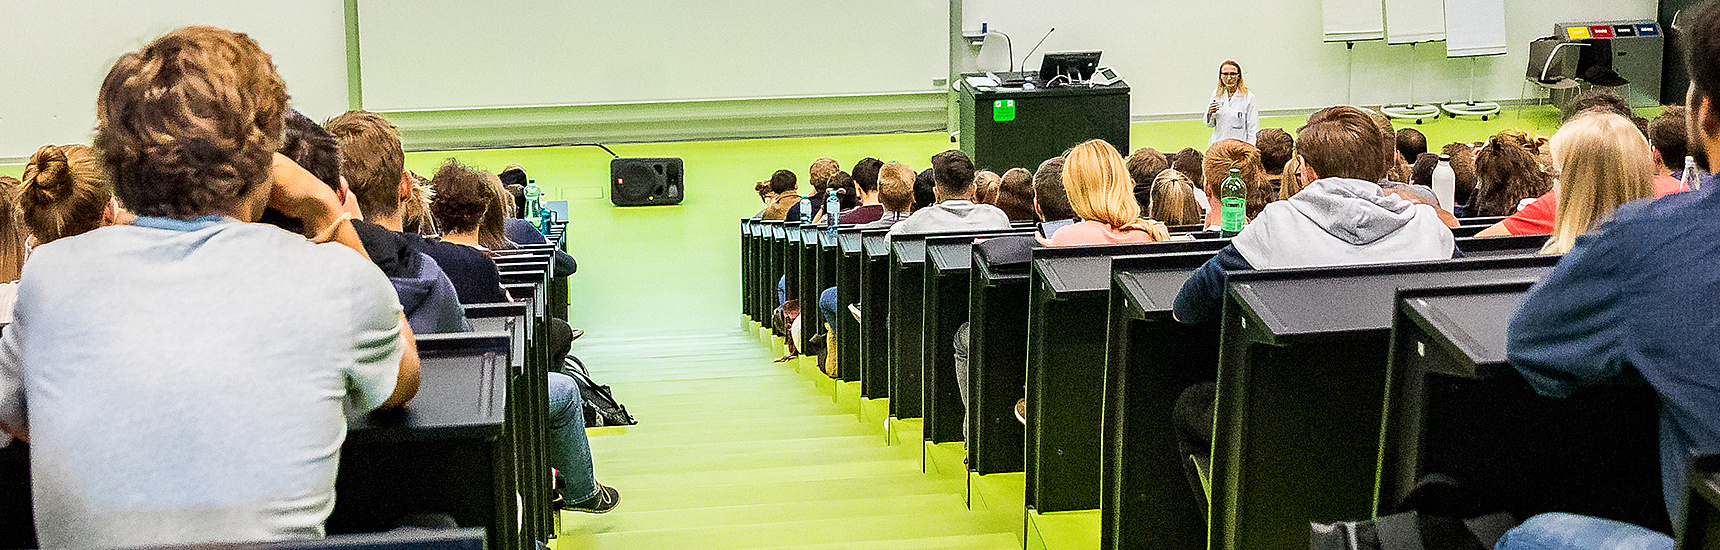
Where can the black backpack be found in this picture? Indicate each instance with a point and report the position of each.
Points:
(601, 408)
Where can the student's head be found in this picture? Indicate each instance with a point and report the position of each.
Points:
(1341, 142)
(1099, 186)
(952, 174)
(372, 160)
(1702, 56)
(519, 194)
(65, 192)
(924, 195)
(312, 148)
(462, 196)
(415, 212)
(1421, 173)
(1604, 163)
(1463, 166)
(1292, 182)
(188, 125)
(1388, 145)
(1231, 153)
(492, 231)
(1189, 162)
(1144, 165)
(1015, 194)
(985, 184)
(865, 174)
(1506, 173)
(764, 192)
(1049, 195)
(1174, 201)
(896, 187)
(1411, 144)
(1666, 134)
(1599, 100)
(843, 185)
(12, 231)
(1276, 147)
(783, 181)
(820, 172)
(1230, 77)
(513, 175)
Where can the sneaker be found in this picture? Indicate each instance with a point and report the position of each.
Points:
(1021, 411)
(601, 503)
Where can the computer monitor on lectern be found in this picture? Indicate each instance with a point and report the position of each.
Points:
(1068, 67)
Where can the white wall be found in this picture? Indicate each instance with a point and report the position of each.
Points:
(55, 54)
(1169, 51)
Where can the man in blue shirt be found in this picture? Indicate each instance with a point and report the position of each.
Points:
(1638, 295)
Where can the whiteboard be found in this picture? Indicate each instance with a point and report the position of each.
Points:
(1474, 28)
(1352, 20)
(511, 53)
(1411, 21)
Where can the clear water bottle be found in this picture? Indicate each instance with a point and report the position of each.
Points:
(534, 203)
(1445, 183)
(806, 211)
(1233, 199)
(832, 210)
(1692, 179)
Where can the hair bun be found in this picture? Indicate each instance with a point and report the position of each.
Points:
(48, 174)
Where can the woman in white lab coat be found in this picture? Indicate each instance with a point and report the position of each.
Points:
(1232, 114)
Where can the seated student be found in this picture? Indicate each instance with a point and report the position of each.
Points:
(1292, 182)
(784, 194)
(156, 320)
(952, 175)
(65, 192)
(12, 253)
(1603, 164)
(309, 146)
(1189, 162)
(461, 198)
(1539, 216)
(498, 207)
(1276, 147)
(1636, 299)
(1015, 195)
(1050, 198)
(1341, 217)
(819, 175)
(1102, 195)
(923, 194)
(1219, 159)
(865, 175)
(1411, 144)
(367, 153)
(1506, 174)
(1144, 165)
(1463, 166)
(1174, 201)
(895, 195)
(1421, 171)
(985, 184)
(516, 229)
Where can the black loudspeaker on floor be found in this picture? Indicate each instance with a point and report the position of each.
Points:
(645, 181)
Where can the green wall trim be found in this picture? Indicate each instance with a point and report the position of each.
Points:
(670, 121)
(354, 73)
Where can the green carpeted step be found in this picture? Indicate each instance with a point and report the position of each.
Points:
(775, 512)
(988, 541)
(833, 456)
(633, 450)
(805, 492)
(1077, 530)
(780, 431)
(673, 481)
(739, 427)
(806, 532)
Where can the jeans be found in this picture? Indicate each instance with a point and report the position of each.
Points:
(1558, 531)
(827, 308)
(960, 342)
(569, 452)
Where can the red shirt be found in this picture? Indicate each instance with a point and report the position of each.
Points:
(1537, 218)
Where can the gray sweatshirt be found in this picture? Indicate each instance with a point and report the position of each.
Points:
(953, 215)
(1340, 221)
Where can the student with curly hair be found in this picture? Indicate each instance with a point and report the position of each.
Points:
(462, 196)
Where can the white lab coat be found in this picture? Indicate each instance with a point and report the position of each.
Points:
(1237, 118)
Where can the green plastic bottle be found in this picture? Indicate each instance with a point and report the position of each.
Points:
(1233, 200)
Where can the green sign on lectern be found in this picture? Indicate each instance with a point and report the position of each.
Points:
(1003, 110)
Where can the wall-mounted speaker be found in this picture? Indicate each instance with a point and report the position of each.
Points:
(645, 181)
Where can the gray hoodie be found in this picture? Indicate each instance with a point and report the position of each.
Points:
(953, 215)
(1341, 221)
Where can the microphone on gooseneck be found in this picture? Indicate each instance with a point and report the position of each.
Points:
(1036, 47)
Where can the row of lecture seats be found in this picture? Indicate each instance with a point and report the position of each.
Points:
(1338, 387)
(470, 444)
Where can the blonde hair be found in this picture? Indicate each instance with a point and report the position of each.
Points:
(1291, 182)
(1099, 186)
(1605, 163)
(492, 229)
(1241, 87)
(65, 192)
(1173, 199)
(985, 184)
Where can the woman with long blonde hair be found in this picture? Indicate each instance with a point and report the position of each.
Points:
(1102, 195)
(1174, 201)
(1232, 114)
(1603, 162)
